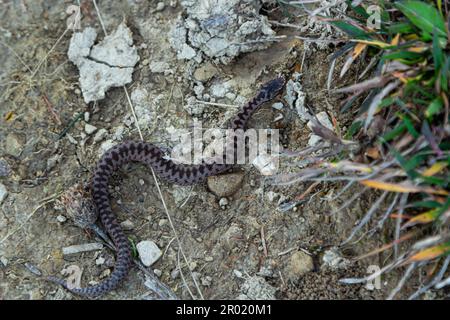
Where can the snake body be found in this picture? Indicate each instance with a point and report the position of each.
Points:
(153, 156)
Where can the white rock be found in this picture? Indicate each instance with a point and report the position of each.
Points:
(100, 135)
(174, 274)
(118, 133)
(107, 64)
(117, 49)
(323, 119)
(99, 261)
(4, 261)
(186, 52)
(97, 78)
(237, 273)
(89, 128)
(3, 193)
(334, 260)
(159, 66)
(219, 90)
(160, 6)
(278, 118)
(271, 196)
(157, 272)
(295, 97)
(206, 281)
(149, 252)
(278, 105)
(223, 202)
(80, 45)
(145, 112)
(61, 219)
(221, 29)
(256, 288)
(314, 140)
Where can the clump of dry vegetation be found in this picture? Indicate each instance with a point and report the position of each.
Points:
(400, 109)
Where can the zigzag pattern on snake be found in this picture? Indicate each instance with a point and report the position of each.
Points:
(151, 155)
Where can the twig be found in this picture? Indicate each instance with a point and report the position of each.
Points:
(217, 104)
(263, 242)
(50, 108)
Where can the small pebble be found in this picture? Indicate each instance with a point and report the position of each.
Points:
(174, 274)
(157, 272)
(106, 273)
(141, 182)
(89, 129)
(99, 261)
(226, 184)
(3, 193)
(192, 265)
(237, 273)
(71, 139)
(87, 116)
(209, 259)
(162, 222)
(278, 105)
(4, 168)
(100, 135)
(61, 219)
(160, 6)
(278, 118)
(299, 264)
(223, 202)
(127, 225)
(206, 281)
(4, 261)
(149, 252)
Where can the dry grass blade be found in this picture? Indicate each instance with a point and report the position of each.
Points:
(376, 101)
(330, 74)
(388, 211)
(359, 48)
(402, 281)
(374, 275)
(367, 217)
(376, 82)
(405, 187)
(405, 237)
(433, 282)
(288, 179)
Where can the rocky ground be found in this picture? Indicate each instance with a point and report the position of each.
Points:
(238, 238)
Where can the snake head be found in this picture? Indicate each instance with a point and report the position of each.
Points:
(271, 89)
